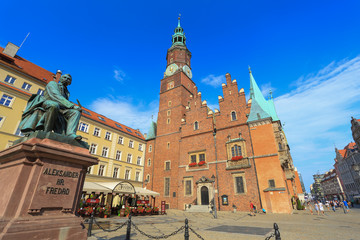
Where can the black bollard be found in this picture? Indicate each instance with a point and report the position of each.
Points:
(277, 232)
(186, 235)
(90, 224)
(128, 230)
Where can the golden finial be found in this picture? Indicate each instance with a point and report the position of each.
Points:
(249, 69)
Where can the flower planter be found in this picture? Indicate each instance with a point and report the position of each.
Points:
(201, 163)
(122, 212)
(236, 158)
(193, 164)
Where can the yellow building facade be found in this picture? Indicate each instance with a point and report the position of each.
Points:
(119, 148)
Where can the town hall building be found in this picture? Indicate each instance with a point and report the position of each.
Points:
(225, 157)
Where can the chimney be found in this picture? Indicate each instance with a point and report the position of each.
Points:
(57, 75)
(11, 49)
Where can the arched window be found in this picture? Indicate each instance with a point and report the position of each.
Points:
(236, 151)
(150, 148)
(196, 125)
(233, 116)
(280, 146)
(149, 162)
(148, 178)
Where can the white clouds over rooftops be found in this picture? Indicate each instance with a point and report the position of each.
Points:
(317, 115)
(214, 81)
(137, 116)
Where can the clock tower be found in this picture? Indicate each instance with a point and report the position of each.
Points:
(177, 85)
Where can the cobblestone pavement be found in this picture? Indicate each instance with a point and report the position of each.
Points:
(297, 226)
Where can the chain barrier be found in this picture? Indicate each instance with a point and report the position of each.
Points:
(196, 233)
(110, 230)
(270, 236)
(157, 237)
(275, 234)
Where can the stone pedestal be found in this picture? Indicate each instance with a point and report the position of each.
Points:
(41, 183)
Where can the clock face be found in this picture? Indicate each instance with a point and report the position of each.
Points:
(171, 69)
(187, 71)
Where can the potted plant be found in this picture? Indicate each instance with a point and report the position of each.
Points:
(134, 211)
(201, 163)
(193, 164)
(141, 210)
(107, 211)
(127, 211)
(148, 210)
(155, 211)
(100, 210)
(88, 211)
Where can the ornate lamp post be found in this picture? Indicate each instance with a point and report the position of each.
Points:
(215, 211)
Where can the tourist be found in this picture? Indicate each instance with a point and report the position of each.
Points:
(252, 209)
(321, 208)
(332, 204)
(346, 206)
(310, 208)
(316, 206)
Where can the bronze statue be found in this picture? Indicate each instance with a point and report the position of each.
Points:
(53, 111)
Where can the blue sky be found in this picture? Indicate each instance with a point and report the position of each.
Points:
(308, 53)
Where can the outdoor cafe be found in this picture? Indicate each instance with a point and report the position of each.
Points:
(104, 199)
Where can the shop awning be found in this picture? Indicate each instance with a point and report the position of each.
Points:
(95, 187)
(145, 192)
(107, 187)
(356, 196)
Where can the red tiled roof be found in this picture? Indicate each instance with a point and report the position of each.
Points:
(23, 65)
(342, 152)
(111, 123)
(350, 145)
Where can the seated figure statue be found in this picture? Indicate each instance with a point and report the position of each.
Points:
(53, 111)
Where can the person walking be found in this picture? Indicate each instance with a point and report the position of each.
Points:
(316, 206)
(321, 208)
(332, 204)
(346, 206)
(252, 209)
(310, 207)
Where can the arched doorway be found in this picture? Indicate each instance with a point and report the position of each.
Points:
(204, 195)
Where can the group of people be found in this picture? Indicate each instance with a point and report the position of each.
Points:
(318, 206)
(253, 210)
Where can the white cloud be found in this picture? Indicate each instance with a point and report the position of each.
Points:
(317, 115)
(126, 112)
(119, 75)
(214, 81)
(266, 88)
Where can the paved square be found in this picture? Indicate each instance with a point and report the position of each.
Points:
(229, 226)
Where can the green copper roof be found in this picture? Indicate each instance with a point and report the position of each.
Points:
(152, 131)
(178, 38)
(260, 108)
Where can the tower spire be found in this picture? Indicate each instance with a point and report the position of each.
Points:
(178, 38)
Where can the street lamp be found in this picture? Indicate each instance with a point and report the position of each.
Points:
(215, 211)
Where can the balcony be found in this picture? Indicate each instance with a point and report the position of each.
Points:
(238, 164)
